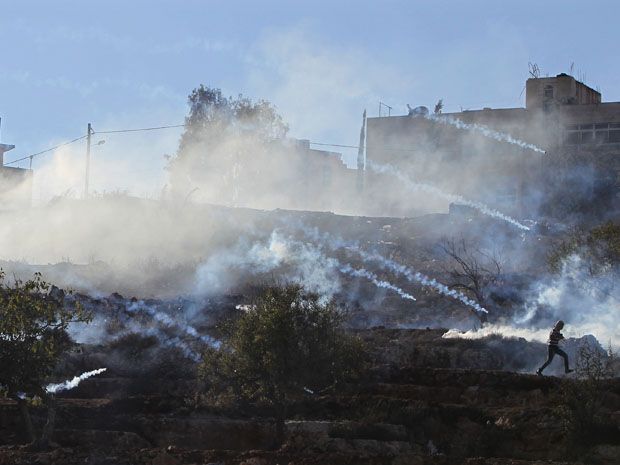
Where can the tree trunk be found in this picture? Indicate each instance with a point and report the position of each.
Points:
(23, 408)
(281, 412)
(48, 429)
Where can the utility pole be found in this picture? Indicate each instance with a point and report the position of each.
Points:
(361, 160)
(88, 134)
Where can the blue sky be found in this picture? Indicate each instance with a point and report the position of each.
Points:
(133, 63)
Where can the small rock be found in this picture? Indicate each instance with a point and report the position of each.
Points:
(255, 461)
(165, 459)
(608, 452)
(43, 459)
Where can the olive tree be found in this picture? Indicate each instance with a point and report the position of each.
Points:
(33, 336)
(287, 344)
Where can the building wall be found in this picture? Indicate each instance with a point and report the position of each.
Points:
(571, 124)
(15, 188)
(561, 89)
(454, 160)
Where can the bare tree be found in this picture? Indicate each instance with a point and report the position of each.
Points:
(471, 270)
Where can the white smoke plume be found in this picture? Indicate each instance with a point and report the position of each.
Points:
(417, 277)
(455, 198)
(373, 278)
(304, 263)
(167, 320)
(505, 330)
(587, 304)
(485, 131)
(249, 258)
(412, 276)
(96, 332)
(73, 383)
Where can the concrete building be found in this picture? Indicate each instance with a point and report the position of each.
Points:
(15, 184)
(325, 182)
(566, 118)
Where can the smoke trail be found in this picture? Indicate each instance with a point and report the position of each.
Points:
(347, 269)
(455, 198)
(304, 263)
(529, 334)
(485, 131)
(70, 384)
(174, 342)
(417, 277)
(166, 320)
(411, 275)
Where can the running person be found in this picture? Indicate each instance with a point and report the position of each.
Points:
(555, 336)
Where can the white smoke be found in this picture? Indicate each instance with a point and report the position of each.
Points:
(73, 383)
(485, 131)
(304, 263)
(455, 198)
(373, 278)
(504, 330)
(412, 276)
(417, 277)
(167, 320)
(587, 304)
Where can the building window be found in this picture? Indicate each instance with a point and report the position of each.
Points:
(572, 137)
(599, 133)
(587, 137)
(548, 92)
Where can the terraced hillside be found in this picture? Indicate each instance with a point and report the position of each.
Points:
(414, 407)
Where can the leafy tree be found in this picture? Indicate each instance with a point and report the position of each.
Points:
(575, 190)
(286, 345)
(598, 247)
(33, 336)
(224, 138)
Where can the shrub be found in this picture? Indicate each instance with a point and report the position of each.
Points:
(33, 336)
(287, 344)
(581, 401)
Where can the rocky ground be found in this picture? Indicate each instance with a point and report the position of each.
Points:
(426, 400)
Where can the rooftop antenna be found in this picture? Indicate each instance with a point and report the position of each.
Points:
(389, 108)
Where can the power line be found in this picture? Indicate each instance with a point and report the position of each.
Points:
(381, 147)
(46, 150)
(155, 128)
(335, 145)
(140, 129)
(32, 155)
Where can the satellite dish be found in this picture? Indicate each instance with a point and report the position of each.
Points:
(420, 111)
